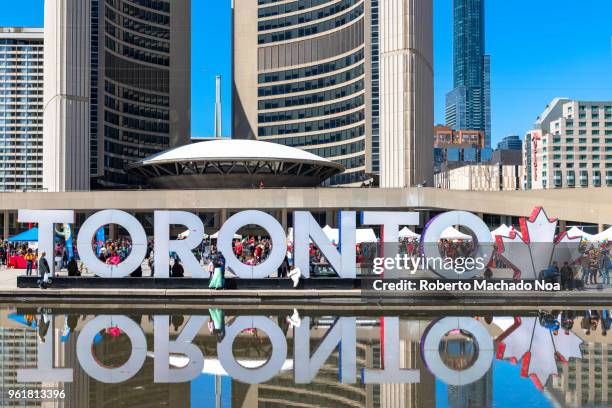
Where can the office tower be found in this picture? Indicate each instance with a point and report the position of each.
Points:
(21, 107)
(123, 71)
(511, 142)
(570, 146)
(468, 105)
(309, 74)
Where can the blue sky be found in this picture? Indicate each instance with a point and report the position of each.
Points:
(540, 49)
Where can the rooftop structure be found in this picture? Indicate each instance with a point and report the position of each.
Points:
(233, 163)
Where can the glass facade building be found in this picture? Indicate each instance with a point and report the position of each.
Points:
(21, 107)
(468, 105)
(512, 142)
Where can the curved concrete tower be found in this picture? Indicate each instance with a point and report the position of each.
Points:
(66, 95)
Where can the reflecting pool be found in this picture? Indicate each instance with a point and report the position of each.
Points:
(91, 356)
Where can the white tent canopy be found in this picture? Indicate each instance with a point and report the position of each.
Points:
(452, 233)
(362, 235)
(408, 233)
(577, 232)
(216, 235)
(603, 236)
(502, 230)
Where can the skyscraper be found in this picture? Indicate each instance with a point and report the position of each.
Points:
(125, 85)
(468, 105)
(308, 74)
(21, 106)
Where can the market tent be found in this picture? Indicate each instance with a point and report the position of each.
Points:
(30, 235)
(577, 232)
(408, 233)
(503, 230)
(366, 235)
(604, 236)
(216, 235)
(362, 235)
(452, 233)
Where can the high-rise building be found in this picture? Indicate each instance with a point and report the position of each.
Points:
(511, 142)
(570, 146)
(468, 105)
(122, 93)
(309, 74)
(21, 107)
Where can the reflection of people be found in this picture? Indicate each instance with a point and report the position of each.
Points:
(218, 323)
(177, 321)
(43, 326)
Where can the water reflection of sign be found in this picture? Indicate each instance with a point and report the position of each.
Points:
(539, 347)
(306, 362)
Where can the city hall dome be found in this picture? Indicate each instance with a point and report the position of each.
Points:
(234, 163)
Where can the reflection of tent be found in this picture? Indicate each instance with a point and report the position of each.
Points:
(214, 367)
(575, 232)
(452, 233)
(537, 346)
(603, 236)
(27, 236)
(29, 321)
(408, 233)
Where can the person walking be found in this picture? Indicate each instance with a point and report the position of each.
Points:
(29, 257)
(218, 279)
(44, 271)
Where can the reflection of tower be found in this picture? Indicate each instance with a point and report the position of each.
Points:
(478, 394)
(17, 350)
(586, 381)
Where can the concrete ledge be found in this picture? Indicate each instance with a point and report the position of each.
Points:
(279, 292)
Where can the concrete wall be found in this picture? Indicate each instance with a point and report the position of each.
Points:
(589, 205)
